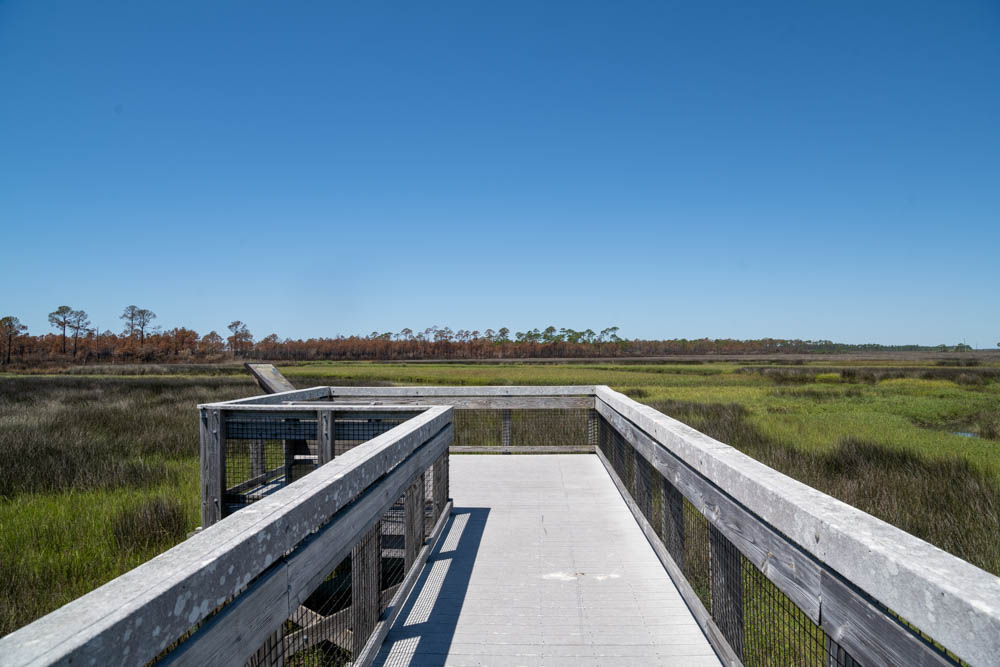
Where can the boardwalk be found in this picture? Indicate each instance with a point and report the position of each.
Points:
(542, 564)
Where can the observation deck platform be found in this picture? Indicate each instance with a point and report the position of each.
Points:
(542, 563)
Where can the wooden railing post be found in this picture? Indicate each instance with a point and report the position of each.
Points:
(324, 435)
(366, 582)
(440, 484)
(413, 520)
(726, 582)
(672, 511)
(213, 466)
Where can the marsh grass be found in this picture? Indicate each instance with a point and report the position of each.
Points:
(807, 374)
(83, 452)
(99, 475)
(160, 521)
(945, 500)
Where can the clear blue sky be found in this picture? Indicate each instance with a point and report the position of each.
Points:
(798, 169)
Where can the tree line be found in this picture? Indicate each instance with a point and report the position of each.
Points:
(74, 339)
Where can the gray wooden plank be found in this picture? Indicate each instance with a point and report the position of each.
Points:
(480, 391)
(269, 378)
(871, 637)
(325, 428)
(310, 394)
(413, 519)
(366, 577)
(212, 466)
(478, 402)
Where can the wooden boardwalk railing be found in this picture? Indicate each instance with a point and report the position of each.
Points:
(227, 594)
(774, 565)
(773, 570)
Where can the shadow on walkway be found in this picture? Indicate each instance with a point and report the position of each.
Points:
(423, 632)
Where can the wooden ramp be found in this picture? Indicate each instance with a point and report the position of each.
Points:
(542, 563)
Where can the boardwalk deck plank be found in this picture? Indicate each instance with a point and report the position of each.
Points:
(542, 563)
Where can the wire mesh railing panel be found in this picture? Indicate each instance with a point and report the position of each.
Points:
(523, 428)
(774, 630)
(761, 624)
(351, 432)
(263, 453)
(393, 541)
(333, 624)
(696, 555)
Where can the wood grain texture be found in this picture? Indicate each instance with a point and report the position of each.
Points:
(366, 578)
(413, 519)
(867, 634)
(269, 378)
(212, 466)
(325, 435)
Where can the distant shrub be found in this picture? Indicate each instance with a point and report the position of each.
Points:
(989, 424)
(828, 377)
(636, 392)
(874, 374)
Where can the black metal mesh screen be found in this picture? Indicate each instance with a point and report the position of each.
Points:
(762, 625)
(524, 429)
(263, 453)
(352, 431)
(266, 451)
(332, 626)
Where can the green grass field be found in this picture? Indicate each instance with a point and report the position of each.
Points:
(101, 466)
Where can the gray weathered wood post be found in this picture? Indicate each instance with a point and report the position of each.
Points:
(366, 582)
(213, 465)
(726, 582)
(672, 512)
(413, 520)
(258, 459)
(440, 485)
(324, 435)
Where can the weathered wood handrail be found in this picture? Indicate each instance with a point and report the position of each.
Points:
(819, 551)
(243, 576)
(832, 543)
